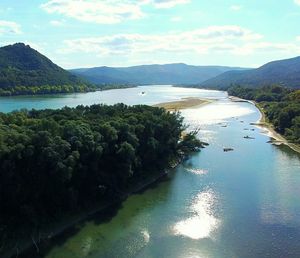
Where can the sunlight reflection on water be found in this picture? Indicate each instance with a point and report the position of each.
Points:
(197, 171)
(215, 113)
(203, 223)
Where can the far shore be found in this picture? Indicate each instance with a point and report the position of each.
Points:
(184, 103)
(277, 138)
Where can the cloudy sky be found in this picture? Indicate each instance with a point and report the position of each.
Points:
(86, 33)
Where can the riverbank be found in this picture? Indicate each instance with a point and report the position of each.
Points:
(184, 103)
(277, 138)
(115, 87)
(27, 93)
(41, 240)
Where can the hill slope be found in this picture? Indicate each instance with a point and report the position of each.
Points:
(152, 74)
(283, 72)
(20, 65)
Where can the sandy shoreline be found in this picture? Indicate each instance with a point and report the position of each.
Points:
(277, 138)
(184, 103)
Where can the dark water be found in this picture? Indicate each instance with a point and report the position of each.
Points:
(239, 204)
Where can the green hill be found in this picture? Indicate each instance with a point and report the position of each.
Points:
(283, 72)
(24, 70)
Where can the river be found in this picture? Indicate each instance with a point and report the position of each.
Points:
(238, 204)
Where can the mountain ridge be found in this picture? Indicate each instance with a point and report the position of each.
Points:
(174, 73)
(23, 66)
(285, 72)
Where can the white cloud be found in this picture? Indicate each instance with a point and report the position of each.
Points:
(106, 11)
(176, 19)
(236, 7)
(168, 3)
(201, 41)
(297, 2)
(210, 41)
(9, 27)
(56, 23)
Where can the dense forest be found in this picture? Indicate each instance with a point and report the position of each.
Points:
(58, 162)
(46, 89)
(281, 106)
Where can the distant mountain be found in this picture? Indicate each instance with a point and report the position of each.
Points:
(283, 72)
(152, 74)
(20, 65)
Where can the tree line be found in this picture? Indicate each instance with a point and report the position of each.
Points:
(52, 89)
(45, 89)
(281, 106)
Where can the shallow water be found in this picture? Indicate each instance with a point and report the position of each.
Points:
(243, 203)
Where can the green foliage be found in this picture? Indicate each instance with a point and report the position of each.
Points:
(23, 70)
(45, 89)
(266, 93)
(55, 162)
(112, 86)
(190, 143)
(281, 106)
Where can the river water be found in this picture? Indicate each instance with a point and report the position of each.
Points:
(238, 204)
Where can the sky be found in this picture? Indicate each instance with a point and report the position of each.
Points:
(89, 33)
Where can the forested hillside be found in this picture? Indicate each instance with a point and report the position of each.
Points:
(283, 72)
(23, 70)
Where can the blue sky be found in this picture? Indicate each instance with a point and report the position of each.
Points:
(87, 33)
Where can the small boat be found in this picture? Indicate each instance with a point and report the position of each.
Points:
(248, 137)
(227, 149)
(143, 92)
(223, 125)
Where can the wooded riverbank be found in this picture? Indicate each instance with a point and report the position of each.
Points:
(263, 122)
